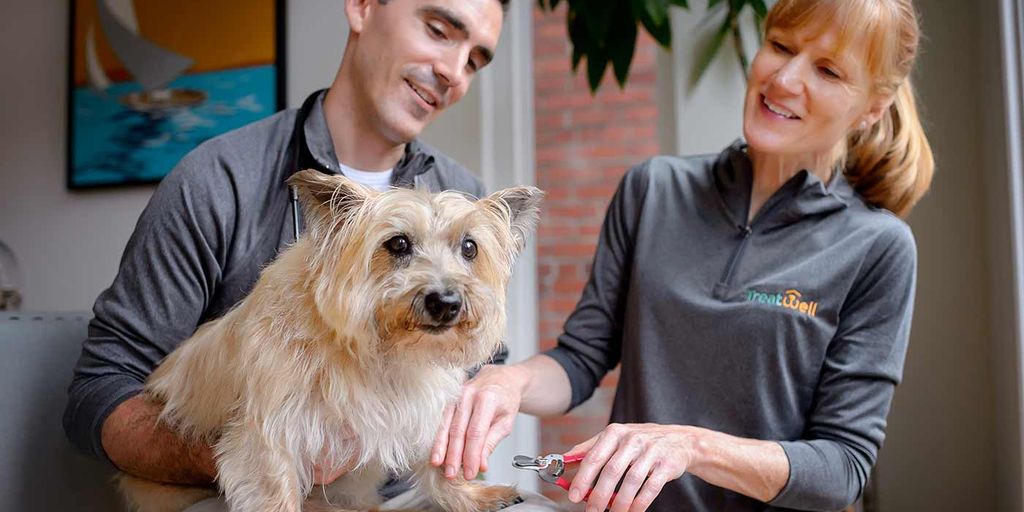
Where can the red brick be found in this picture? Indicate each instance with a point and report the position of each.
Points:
(573, 249)
(603, 191)
(560, 304)
(584, 145)
(569, 210)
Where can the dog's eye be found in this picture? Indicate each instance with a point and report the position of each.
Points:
(398, 245)
(468, 249)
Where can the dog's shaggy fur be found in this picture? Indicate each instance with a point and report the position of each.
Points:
(340, 355)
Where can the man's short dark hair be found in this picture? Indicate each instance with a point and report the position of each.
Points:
(504, 4)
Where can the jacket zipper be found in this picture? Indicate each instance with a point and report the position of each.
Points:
(746, 230)
(722, 287)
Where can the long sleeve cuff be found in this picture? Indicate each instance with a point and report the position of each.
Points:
(89, 405)
(822, 476)
(582, 386)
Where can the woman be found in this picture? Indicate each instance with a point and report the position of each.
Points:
(759, 300)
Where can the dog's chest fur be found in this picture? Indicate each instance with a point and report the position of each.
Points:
(398, 417)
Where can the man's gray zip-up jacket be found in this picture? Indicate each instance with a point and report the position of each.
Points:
(213, 223)
(792, 328)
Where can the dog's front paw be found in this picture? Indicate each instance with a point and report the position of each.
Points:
(490, 498)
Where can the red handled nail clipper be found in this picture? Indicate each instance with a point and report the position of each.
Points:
(550, 468)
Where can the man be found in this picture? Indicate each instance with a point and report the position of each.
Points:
(224, 212)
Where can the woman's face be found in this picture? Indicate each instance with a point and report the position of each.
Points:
(803, 98)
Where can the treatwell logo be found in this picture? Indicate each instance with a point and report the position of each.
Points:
(791, 299)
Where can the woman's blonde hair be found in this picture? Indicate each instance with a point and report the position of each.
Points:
(890, 163)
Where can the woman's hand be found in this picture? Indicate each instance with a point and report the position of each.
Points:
(482, 417)
(643, 456)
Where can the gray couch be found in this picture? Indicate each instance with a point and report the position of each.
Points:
(39, 470)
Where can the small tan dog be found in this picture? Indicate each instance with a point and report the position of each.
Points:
(347, 350)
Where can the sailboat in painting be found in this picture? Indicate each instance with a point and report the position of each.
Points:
(152, 67)
(154, 79)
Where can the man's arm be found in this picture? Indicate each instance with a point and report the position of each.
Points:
(138, 444)
(169, 272)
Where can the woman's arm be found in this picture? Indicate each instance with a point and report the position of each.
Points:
(552, 383)
(484, 414)
(828, 467)
(647, 456)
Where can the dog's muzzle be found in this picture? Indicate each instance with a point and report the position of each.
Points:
(443, 306)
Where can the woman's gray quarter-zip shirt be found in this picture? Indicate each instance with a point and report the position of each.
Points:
(792, 327)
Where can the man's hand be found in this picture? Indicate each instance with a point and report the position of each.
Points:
(482, 417)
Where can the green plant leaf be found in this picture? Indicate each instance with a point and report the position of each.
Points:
(598, 16)
(577, 56)
(604, 32)
(597, 62)
(622, 43)
(708, 53)
(760, 8)
(653, 14)
(577, 29)
(656, 10)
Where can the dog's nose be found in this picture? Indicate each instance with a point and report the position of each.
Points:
(443, 306)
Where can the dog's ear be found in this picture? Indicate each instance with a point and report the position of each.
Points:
(521, 205)
(327, 197)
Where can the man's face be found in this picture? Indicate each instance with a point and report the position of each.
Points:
(416, 58)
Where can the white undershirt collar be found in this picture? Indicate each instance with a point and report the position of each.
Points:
(377, 180)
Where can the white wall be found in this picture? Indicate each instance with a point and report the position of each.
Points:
(941, 452)
(705, 116)
(1005, 301)
(69, 243)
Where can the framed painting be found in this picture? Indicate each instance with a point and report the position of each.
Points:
(149, 80)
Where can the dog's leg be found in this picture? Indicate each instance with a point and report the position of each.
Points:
(258, 474)
(147, 496)
(356, 490)
(460, 495)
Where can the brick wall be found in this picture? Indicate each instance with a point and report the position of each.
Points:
(584, 145)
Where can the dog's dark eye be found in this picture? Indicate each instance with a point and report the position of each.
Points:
(468, 249)
(398, 245)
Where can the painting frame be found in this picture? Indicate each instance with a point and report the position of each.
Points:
(81, 172)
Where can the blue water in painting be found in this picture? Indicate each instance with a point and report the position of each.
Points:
(113, 144)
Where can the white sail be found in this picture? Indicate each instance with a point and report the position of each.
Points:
(152, 66)
(124, 11)
(98, 79)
